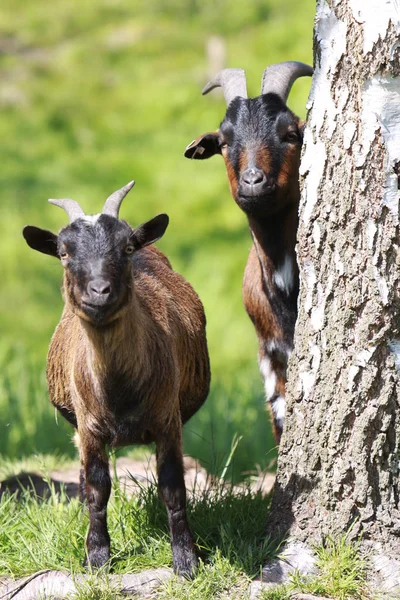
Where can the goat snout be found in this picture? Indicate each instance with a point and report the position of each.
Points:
(254, 182)
(101, 287)
(253, 176)
(98, 292)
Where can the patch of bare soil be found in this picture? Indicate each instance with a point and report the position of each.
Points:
(131, 473)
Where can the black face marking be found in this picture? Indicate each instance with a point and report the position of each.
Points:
(96, 253)
(97, 250)
(258, 132)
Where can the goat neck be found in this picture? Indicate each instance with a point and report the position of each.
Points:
(275, 238)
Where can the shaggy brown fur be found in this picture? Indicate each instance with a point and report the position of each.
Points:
(133, 379)
(117, 379)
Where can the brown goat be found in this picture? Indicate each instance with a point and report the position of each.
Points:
(260, 140)
(128, 362)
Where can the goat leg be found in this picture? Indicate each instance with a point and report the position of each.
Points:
(171, 486)
(82, 485)
(98, 489)
(82, 478)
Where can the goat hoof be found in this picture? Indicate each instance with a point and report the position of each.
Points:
(185, 564)
(97, 558)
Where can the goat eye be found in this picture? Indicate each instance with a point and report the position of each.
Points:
(64, 254)
(129, 249)
(292, 137)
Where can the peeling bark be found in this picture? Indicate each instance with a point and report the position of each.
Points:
(339, 459)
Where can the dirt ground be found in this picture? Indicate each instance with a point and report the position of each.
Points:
(130, 473)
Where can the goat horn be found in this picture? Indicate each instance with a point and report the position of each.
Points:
(232, 82)
(279, 78)
(71, 207)
(113, 202)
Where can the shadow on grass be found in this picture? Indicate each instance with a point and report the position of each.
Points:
(38, 486)
(227, 522)
(223, 520)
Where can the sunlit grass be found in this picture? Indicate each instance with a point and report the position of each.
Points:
(341, 574)
(280, 592)
(341, 569)
(229, 529)
(40, 534)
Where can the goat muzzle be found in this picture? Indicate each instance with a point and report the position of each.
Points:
(99, 291)
(255, 183)
(98, 303)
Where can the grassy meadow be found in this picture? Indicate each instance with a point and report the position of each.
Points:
(38, 534)
(92, 95)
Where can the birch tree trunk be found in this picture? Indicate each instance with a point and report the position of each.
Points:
(339, 459)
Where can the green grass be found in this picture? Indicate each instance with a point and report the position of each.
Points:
(93, 95)
(97, 587)
(341, 574)
(281, 592)
(228, 525)
(341, 571)
(228, 528)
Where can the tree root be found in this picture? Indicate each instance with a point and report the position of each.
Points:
(56, 585)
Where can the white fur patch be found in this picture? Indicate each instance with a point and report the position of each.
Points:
(283, 276)
(278, 408)
(269, 377)
(91, 218)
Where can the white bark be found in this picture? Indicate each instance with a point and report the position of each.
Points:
(339, 457)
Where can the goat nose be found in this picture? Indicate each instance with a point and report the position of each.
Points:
(100, 287)
(252, 176)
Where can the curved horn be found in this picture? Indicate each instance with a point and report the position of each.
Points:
(279, 78)
(113, 202)
(71, 207)
(232, 81)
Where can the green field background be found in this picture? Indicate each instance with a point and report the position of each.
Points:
(92, 95)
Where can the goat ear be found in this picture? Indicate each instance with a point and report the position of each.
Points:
(41, 240)
(149, 232)
(204, 146)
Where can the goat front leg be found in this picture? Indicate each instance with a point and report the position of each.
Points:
(171, 485)
(96, 474)
(82, 479)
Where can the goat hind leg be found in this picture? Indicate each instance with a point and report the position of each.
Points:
(277, 404)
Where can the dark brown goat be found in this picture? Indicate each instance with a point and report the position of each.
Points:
(128, 362)
(260, 140)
